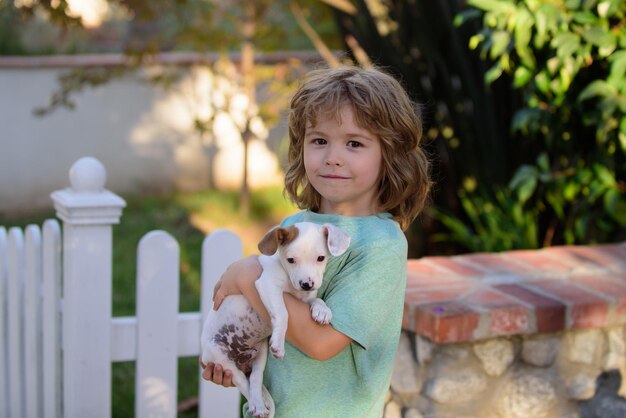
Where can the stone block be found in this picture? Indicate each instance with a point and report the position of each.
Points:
(392, 410)
(585, 346)
(406, 380)
(540, 351)
(456, 386)
(495, 355)
(616, 354)
(413, 413)
(581, 386)
(424, 349)
(527, 394)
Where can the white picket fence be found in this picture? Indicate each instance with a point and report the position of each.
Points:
(57, 334)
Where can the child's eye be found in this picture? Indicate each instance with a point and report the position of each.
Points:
(354, 144)
(319, 141)
(290, 260)
(320, 258)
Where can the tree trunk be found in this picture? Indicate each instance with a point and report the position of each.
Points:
(247, 70)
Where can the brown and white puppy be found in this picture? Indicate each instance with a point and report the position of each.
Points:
(235, 336)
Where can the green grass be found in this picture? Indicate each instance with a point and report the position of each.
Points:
(188, 218)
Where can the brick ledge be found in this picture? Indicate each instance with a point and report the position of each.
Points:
(476, 296)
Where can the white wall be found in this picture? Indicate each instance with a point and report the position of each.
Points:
(142, 134)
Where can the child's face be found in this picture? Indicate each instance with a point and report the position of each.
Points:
(343, 163)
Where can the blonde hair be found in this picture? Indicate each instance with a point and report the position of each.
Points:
(381, 106)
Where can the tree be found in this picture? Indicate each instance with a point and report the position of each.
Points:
(567, 61)
(199, 25)
(464, 120)
(527, 135)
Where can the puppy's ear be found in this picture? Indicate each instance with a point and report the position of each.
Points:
(275, 237)
(337, 239)
(269, 243)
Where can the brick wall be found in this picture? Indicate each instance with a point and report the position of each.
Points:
(477, 296)
(519, 334)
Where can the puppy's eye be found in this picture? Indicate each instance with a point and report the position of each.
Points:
(290, 260)
(320, 258)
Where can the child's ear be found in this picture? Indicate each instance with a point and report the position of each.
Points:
(337, 239)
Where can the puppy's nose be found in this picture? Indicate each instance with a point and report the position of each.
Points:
(306, 285)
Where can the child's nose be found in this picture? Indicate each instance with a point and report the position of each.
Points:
(333, 158)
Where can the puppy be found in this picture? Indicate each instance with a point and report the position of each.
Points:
(235, 336)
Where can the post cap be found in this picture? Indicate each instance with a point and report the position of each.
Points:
(88, 175)
(86, 201)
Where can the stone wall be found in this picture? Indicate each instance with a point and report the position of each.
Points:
(561, 352)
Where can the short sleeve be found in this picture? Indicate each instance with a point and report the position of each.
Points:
(367, 291)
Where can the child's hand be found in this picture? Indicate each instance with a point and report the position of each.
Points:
(214, 373)
(246, 270)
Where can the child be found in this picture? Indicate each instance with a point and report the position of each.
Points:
(354, 161)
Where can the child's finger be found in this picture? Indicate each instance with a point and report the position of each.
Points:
(207, 373)
(218, 297)
(218, 374)
(216, 288)
(228, 378)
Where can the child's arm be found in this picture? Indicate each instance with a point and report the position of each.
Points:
(238, 279)
(320, 342)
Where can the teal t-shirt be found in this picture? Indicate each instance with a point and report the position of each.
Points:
(364, 288)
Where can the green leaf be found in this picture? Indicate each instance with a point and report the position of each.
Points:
(580, 227)
(589, 4)
(572, 4)
(566, 44)
(501, 40)
(493, 74)
(526, 189)
(556, 203)
(521, 175)
(492, 5)
(541, 27)
(521, 77)
(543, 162)
(606, 177)
(551, 14)
(585, 18)
(466, 16)
(597, 88)
(524, 120)
(600, 37)
(611, 202)
(475, 40)
(570, 191)
(584, 176)
(618, 64)
(542, 80)
(524, 182)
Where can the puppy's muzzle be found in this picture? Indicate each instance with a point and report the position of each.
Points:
(306, 284)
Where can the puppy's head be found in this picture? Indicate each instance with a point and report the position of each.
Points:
(303, 250)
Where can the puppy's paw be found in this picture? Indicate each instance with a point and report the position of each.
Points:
(258, 409)
(277, 347)
(321, 313)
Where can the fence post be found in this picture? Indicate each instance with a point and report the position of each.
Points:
(88, 212)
